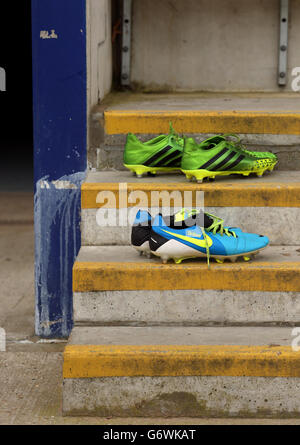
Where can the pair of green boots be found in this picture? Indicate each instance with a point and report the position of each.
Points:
(218, 155)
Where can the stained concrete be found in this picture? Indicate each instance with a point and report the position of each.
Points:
(110, 157)
(186, 308)
(31, 393)
(99, 50)
(127, 254)
(280, 177)
(278, 223)
(178, 335)
(183, 396)
(270, 102)
(200, 396)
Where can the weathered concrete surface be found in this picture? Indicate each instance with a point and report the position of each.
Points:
(111, 157)
(272, 102)
(99, 50)
(31, 392)
(30, 387)
(275, 270)
(99, 66)
(265, 142)
(212, 45)
(280, 177)
(186, 307)
(183, 396)
(216, 396)
(174, 335)
(196, 116)
(278, 223)
(127, 254)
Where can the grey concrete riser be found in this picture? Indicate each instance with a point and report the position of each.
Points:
(253, 140)
(187, 308)
(182, 397)
(286, 147)
(278, 223)
(111, 157)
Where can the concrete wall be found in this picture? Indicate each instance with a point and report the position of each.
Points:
(99, 50)
(99, 67)
(212, 45)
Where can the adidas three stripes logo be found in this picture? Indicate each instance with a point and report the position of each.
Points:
(222, 165)
(166, 157)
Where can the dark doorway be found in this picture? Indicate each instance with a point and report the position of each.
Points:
(16, 139)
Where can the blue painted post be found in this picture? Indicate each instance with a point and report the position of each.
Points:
(60, 128)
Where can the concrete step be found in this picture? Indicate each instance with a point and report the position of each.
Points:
(264, 122)
(113, 285)
(179, 371)
(269, 205)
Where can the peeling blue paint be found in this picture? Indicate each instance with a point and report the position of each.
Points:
(60, 128)
(57, 242)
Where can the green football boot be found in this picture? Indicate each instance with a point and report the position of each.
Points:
(161, 154)
(219, 156)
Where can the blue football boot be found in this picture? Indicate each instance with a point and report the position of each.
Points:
(208, 239)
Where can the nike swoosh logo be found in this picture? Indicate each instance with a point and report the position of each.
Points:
(201, 243)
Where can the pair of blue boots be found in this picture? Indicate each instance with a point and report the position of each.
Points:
(193, 234)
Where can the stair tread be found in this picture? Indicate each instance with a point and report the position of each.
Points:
(95, 179)
(108, 268)
(203, 101)
(180, 351)
(248, 114)
(180, 335)
(127, 254)
(279, 189)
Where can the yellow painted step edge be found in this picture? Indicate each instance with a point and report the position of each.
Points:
(81, 361)
(94, 195)
(186, 121)
(256, 276)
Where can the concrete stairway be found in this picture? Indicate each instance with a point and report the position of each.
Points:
(184, 340)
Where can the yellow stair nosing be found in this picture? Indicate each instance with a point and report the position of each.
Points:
(201, 121)
(256, 276)
(94, 361)
(217, 195)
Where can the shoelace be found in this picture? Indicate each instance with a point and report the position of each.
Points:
(179, 139)
(223, 142)
(216, 226)
(206, 246)
(237, 144)
(185, 213)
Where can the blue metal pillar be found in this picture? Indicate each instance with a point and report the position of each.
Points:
(60, 129)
